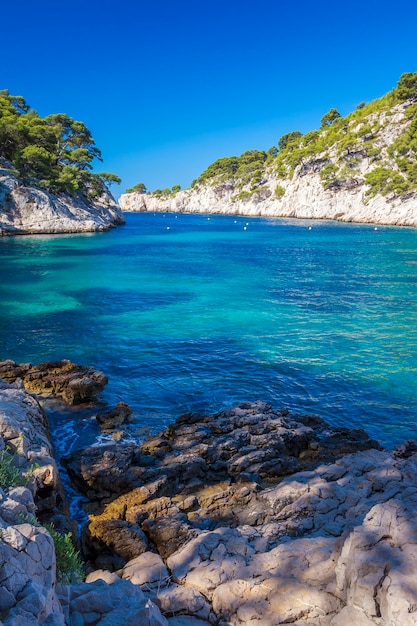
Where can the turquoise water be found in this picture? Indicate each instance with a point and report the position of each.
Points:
(191, 313)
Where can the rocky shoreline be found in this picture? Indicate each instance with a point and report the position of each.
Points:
(304, 198)
(250, 517)
(28, 210)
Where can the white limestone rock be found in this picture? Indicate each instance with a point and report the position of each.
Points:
(120, 602)
(28, 210)
(304, 198)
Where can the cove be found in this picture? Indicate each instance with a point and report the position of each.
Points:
(197, 313)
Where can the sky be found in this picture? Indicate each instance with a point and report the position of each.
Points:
(168, 87)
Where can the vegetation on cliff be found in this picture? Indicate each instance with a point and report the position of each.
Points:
(337, 149)
(55, 153)
(374, 146)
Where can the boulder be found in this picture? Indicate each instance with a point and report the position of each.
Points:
(75, 384)
(115, 417)
(26, 209)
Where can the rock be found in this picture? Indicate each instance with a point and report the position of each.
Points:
(25, 209)
(115, 417)
(101, 472)
(75, 384)
(107, 537)
(304, 197)
(186, 620)
(262, 516)
(120, 602)
(24, 430)
(332, 542)
(148, 570)
(27, 576)
(250, 442)
(102, 574)
(168, 532)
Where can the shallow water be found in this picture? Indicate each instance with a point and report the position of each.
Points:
(196, 313)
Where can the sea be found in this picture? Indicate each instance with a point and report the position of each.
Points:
(196, 313)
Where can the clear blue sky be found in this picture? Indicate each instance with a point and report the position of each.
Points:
(167, 87)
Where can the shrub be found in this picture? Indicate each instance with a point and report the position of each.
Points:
(10, 475)
(138, 188)
(279, 191)
(407, 86)
(328, 174)
(384, 180)
(69, 566)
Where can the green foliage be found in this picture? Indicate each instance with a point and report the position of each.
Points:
(162, 193)
(384, 180)
(138, 188)
(289, 140)
(407, 86)
(329, 118)
(10, 475)
(311, 137)
(328, 174)
(279, 191)
(344, 142)
(175, 189)
(241, 167)
(256, 179)
(52, 153)
(243, 195)
(108, 178)
(69, 566)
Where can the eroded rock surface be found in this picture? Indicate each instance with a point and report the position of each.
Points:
(259, 517)
(115, 417)
(29, 593)
(25, 209)
(75, 384)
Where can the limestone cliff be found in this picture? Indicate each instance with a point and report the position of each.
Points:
(29, 210)
(361, 168)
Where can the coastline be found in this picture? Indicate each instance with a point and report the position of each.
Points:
(305, 199)
(248, 513)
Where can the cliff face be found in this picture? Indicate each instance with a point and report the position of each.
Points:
(304, 198)
(28, 210)
(306, 192)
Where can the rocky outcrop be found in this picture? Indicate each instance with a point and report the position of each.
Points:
(304, 198)
(250, 443)
(75, 384)
(250, 516)
(115, 417)
(29, 210)
(30, 594)
(259, 516)
(303, 195)
(24, 433)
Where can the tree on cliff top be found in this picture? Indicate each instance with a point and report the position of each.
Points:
(407, 86)
(329, 118)
(54, 153)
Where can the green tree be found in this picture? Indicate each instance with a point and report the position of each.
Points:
(138, 188)
(329, 118)
(56, 152)
(34, 161)
(407, 86)
(175, 189)
(74, 142)
(108, 178)
(289, 140)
